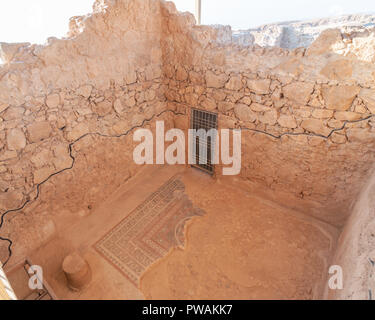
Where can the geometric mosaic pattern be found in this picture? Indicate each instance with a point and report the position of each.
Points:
(149, 231)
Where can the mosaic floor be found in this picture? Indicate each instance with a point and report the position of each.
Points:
(150, 231)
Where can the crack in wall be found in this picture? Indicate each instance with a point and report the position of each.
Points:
(70, 148)
(308, 134)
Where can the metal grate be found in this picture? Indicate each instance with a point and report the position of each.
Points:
(203, 120)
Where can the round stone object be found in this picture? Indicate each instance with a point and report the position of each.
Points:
(77, 271)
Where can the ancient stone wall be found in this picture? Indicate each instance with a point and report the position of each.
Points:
(306, 115)
(355, 252)
(67, 111)
(67, 114)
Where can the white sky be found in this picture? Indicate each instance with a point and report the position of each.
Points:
(36, 20)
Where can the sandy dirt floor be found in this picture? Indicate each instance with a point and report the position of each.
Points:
(239, 246)
(245, 247)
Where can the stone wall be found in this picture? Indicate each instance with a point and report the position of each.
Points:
(307, 115)
(67, 111)
(67, 114)
(355, 253)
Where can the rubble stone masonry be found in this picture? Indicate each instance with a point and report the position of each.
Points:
(67, 110)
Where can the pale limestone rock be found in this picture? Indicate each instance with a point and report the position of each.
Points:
(61, 158)
(257, 107)
(215, 81)
(339, 97)
(99, 99)
(3, 107)
(9, 50)
(78, 131)
(84, 91)
(137, 120)
(338, 70)
(293, 67)
(130, 76)
(246, 100)
(121, 126)
(238, 95)
(39, 131)
(41, 159)
(269, 117)
(325, 42)
(2, 137)
(315, 126)
(287, 121)
(108, 94)
(195, 77)
(360, 109)
(303, 112)
(315, 102)
(42, 174)
(191, 99)
(227, 122)
(322, 113)
(53, 101)
(276, 94)
(299, 92)
(13, 113)
(150, 95)
(199, 90)
(60, 151)
(153, 72)
(117, 105)
(338, 138)
(172, 95)
(7, 155)
(368, 97)
(149, 112)
(181, 74)
(347, 115)
(335, 124)
(315, 141)
(243, 113)
(159, 107)
(208, 104)
(102, 108)
(360, 135)
(234, 83)
(225, 106)
(169, 71)
(259, 86)
(84, 110)
(130, 102)
(140, 97)
(219, 95)
(16, 139)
